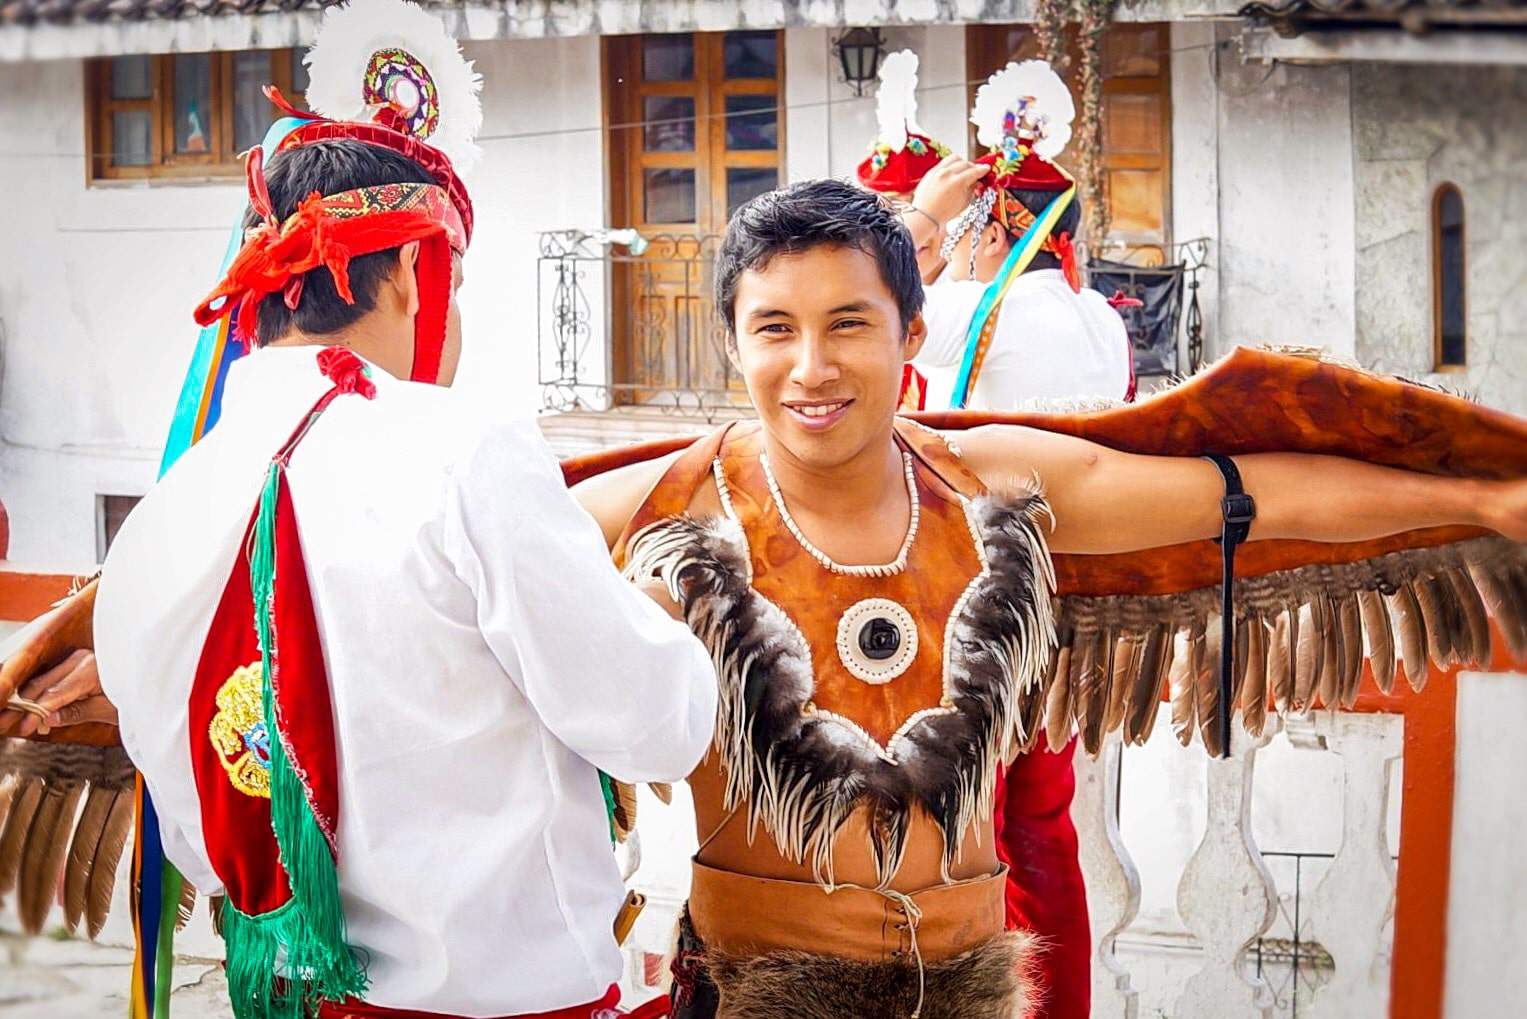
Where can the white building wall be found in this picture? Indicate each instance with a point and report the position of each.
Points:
(95, 308)
(542, 169)
(1488, 884)
(1195, 155)
(1417, 127)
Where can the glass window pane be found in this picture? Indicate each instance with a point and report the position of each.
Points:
(131, 141)
(668, 124)
(669, 196)
(193, 103)
(299, 79)
(752, 123)
(252, 112)
(132, 77)
(668, 58)
(743, 184)
(750, 55)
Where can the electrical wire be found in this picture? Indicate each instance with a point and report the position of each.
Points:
(562, 132)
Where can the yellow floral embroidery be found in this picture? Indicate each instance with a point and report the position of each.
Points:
(238, 732)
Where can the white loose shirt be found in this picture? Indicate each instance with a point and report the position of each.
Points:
(1051, 343)
(484, 658)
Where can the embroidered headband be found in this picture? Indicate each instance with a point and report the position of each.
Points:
(330, 230)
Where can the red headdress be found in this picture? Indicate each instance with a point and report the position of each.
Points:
(368, 85)
(1023, 114)
(902, 154)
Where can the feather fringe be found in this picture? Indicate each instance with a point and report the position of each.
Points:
(1301, 638)
(801, 775)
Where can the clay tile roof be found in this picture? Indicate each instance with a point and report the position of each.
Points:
(1416, 15)
(65, 12)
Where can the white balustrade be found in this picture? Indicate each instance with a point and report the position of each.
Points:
(1352, 908)
(1113, 884)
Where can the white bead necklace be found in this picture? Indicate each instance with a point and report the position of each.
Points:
(882, 570)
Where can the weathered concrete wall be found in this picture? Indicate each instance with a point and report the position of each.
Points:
(1285, 205)
(1415, 128)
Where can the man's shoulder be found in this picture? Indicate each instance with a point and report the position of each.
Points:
(452, 427)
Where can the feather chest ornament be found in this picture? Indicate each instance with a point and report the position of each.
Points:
(895, 688)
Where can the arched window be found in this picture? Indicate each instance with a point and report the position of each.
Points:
(1449, 279)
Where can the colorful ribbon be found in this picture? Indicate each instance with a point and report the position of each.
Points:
(159, 884)
(978, 334)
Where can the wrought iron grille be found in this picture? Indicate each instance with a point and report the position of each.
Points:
(631, 324)
(1162, 291)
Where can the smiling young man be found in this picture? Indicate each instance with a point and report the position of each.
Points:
(876, 601)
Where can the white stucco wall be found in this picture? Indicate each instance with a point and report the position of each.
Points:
(95, 307)
(1285, 248)
(1195, 156)
(542, 169)
(1486, 940)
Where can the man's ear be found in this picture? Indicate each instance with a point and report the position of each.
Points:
(917, 334)
(992, 238)
(405, 280)
(732, 356)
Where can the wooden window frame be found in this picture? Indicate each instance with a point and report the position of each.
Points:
(626, 159)
(625, 156)
(220, 162)
(1441, 191)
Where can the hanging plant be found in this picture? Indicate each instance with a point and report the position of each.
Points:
(1050, 17)
(1092, 16)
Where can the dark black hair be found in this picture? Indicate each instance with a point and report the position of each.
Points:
(329, 167)
(1037, 201)
(811, 214)
(1069, 222)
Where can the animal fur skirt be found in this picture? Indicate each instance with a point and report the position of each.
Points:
(990, 981)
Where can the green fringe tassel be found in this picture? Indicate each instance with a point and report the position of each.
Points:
(607, 786)
(306, 937)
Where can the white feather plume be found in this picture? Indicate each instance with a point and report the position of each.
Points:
(351, 33)
(896, 101)
(1048, 114)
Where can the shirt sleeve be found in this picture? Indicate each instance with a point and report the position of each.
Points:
(947, 311)
(611, 674)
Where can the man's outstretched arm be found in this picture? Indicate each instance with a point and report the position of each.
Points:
(1107, 501)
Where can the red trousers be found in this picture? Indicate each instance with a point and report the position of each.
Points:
(360, 1010)
(1037, 841)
